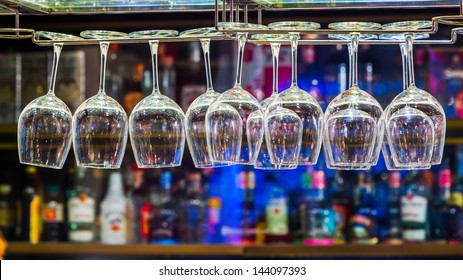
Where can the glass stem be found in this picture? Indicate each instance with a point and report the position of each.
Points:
(239, 68)
(275, 54)
(57, 47)
(353, 59)
(154, 44)
(294, 41)
(104, 46)
(409, 48)
(403, 51)
(205, 44)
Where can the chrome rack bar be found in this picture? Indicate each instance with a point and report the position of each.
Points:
(85, 42)
(453, 39)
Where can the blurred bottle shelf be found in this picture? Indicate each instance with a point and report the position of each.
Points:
(452, 125)
(265, 251)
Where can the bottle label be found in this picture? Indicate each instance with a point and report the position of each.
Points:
(53, 212)
(277, 217)
(81, 235)
(35, 221)
(363, 228)
(414, 208)
(113, 223)
(145, 213)
(81, 209)
(414, 235)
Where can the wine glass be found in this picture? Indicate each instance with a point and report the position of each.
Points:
(281, 119)
(100, 123)
(353, 140)
(243, 102)
(418, 99)
(157, 123)
(44, 126)
(299, 101)
(195, 116)
(390, 165)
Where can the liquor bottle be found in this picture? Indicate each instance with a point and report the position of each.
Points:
(232, 230)
(455, 214)
(393, 232)
(195, 206)
(163, 226)
(148, 209)
(214, 208)
(318, 218)
(54, 229)
(114, 212)
(276, 215)
(214, 229)
(299, 218)
(341, 206)
(31, 222)
(439, 209)
(363, 222)
(414, 206)
(137, 197)
(81, 210)
(248, 218)
(6, 212)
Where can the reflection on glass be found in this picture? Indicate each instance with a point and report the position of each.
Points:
(157, 123)
(100, 124)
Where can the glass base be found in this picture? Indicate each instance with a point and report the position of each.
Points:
(346, 167)
(41, 165)
(306, 162)
(281, 167)
(214, 165)
(98, 165)
(159, 165)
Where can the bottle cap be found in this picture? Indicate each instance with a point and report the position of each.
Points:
(318, 180)
(306, 180)
(241, 180)
(445, 178)
(5, 189)
(394, 179)
(195, 177)
(427, 178)
(31, 169)
(251, 180)
(166, 180)
(215, 202)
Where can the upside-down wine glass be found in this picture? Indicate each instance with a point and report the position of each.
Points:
(195, 116)
(353, 132)
(44, 126)
(420, 100)
(157, 123)
(100, 124)
(281, 120)
(301, 103)
(390, 165)
(230, 141)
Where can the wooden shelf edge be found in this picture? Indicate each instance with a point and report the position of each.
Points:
(101, 249)
(346, 251)
(336, 251)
